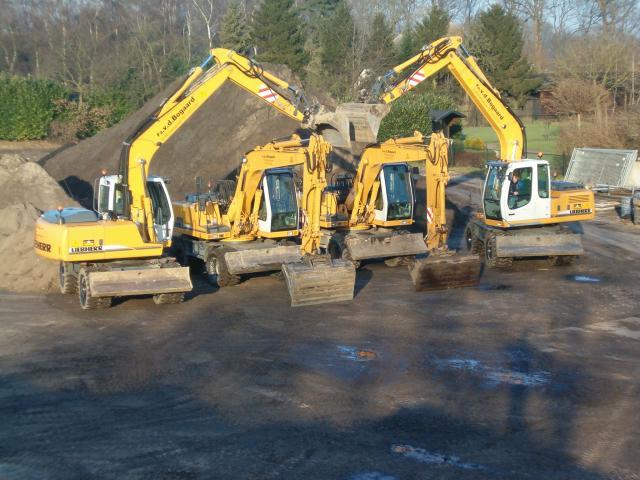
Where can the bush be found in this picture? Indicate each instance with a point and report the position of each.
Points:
(78, 120)
(475, 144)
(27, 107)
(604, 130)
(411, 112)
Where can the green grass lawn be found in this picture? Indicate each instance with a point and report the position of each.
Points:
(541, 136)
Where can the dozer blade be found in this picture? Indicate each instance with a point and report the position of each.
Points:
(351, 122)
(539, 245)
(261, 259)
(439, 272)
(140, 282)
(312, 282)
(366, 246)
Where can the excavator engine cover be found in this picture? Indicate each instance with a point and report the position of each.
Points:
(319, 280)
(362, 246)
(442, 271)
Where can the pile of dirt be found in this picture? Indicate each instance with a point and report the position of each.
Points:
(25, 191)
(210, 144)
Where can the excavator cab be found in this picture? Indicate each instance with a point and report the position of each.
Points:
(279, 207)
(109, 203)
(395, 198)
(517, 192)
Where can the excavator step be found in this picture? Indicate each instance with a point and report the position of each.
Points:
(439, 272)
(316, 282)
(364, 246)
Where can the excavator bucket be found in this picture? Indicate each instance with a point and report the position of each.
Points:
(352, 123)
(365, 246)
(319, 280)
(439, 272)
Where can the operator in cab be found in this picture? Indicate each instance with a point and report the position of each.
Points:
(515, 185)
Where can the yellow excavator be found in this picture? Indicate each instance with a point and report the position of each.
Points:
(260, 224)
(119, 249)
(524, 213)
(371, 215)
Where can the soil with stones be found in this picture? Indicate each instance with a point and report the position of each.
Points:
(533, 374)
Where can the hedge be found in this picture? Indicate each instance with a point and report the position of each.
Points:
(27, 107)
(411, 112)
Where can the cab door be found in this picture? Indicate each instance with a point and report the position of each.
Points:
(525, 193)
(163, 219)
(279, 208)
(395, 197)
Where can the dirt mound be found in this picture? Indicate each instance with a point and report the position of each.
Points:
(210, 144)
(25, 190)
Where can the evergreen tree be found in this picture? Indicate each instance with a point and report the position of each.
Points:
(407, 47)
(497, 43)
(235, 33)
(279, 36)
(379, 52)
(433, 26)
(336, 49)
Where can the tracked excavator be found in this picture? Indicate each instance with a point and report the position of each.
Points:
(524, 214)
(119, 249)
(265, 223)
(371, 215)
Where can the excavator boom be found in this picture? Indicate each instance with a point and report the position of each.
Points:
(445, 53)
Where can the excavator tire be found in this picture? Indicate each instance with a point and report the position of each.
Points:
(67, 282)
(337, 251)
(179, 252)
(474, 244)
(562, 260)
(88, 301)
(346, 256)
(491, 258)
(217, 273)
(168, 298)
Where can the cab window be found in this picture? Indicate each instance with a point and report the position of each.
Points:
(520, 187)
(103, 198)
(543, 181)
(492, 189)
(159, 203)
(284, 204)
(398, 185)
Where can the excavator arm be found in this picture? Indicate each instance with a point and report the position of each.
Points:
(447, 53)
(203, 81)
(312, 155)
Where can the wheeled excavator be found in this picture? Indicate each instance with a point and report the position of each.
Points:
(372, 214)
(265, 223)
(120, 248)
(524, 213)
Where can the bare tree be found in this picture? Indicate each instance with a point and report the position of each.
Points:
(205, 9)
(535, 12)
